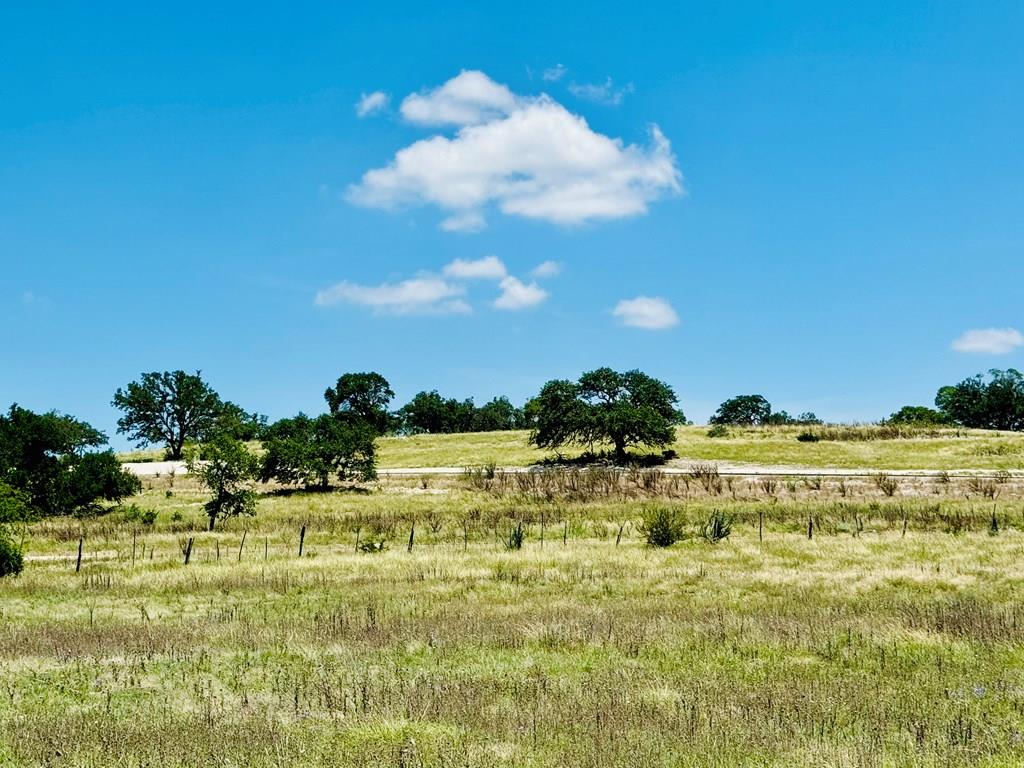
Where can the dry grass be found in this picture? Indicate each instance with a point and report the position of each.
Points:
(890, 638)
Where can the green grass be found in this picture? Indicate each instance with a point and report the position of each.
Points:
(949, 449)
(953, 449)
(878, 642)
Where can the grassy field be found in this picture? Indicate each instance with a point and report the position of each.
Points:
(939, 449)
(892, 637)
(948, 449)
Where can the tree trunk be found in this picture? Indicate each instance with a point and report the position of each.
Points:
(213, 522)
(620, 450)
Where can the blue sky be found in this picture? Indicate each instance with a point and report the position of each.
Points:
(817, 200)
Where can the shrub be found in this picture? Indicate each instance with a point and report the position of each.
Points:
(808, 437)
(11, 560)
(662, 527)
(717, 528)
(516, 536)
(373, 546)
(135, 514)
(887, 485)
(719, 430)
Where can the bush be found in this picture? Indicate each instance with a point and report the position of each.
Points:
(135, 514)
(516, 536)
(11, 560)
(662, 527)
(717, 528)
(719, 430)
(808, 437)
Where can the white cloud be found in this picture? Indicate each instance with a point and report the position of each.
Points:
(989, 341)
(372, 103)
(651, 313)
(418, 295)
(530, 157)
(546, 269)
(602, 93)
(515, 294)
(468, 221)
(487, 268)
(469, 98)
(552, 74)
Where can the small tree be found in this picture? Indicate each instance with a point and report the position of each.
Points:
(624, 409)
(227, 471)
(172, 407)
(743, 410)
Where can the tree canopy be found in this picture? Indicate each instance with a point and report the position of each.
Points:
(47, 457)
(993, 403)
(172, 407)
(918, 414)
(361, 397)
(743, 410)
(429, 412)
(755, 410)
(339, 445)
(624, 409)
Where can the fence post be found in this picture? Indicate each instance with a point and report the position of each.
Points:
(302, 539)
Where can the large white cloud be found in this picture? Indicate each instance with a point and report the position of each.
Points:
(418, 295)
(530, 157)
(989, 341)
(650, 313)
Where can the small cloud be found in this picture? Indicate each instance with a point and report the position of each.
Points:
(601, 93)
(553, 74)
(651, 313)
(372, 103)
(546, 269)
(469, 221)
(419, 295)
(487, 268)
(989, 341)
(469, 98)
(515, 294)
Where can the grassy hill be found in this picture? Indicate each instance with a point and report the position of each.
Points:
(844, 447)
(857, 447)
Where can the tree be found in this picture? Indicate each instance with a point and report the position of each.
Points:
(918, 414)
(994, 404)
(430, 413)
(497, 415)
(624, 409)
(782, 418)
(227, 470)
(172, 407)
(234, 421)
(361, 397)
(47, 457)
(743, 410)
(313, 451)
(15, 510)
